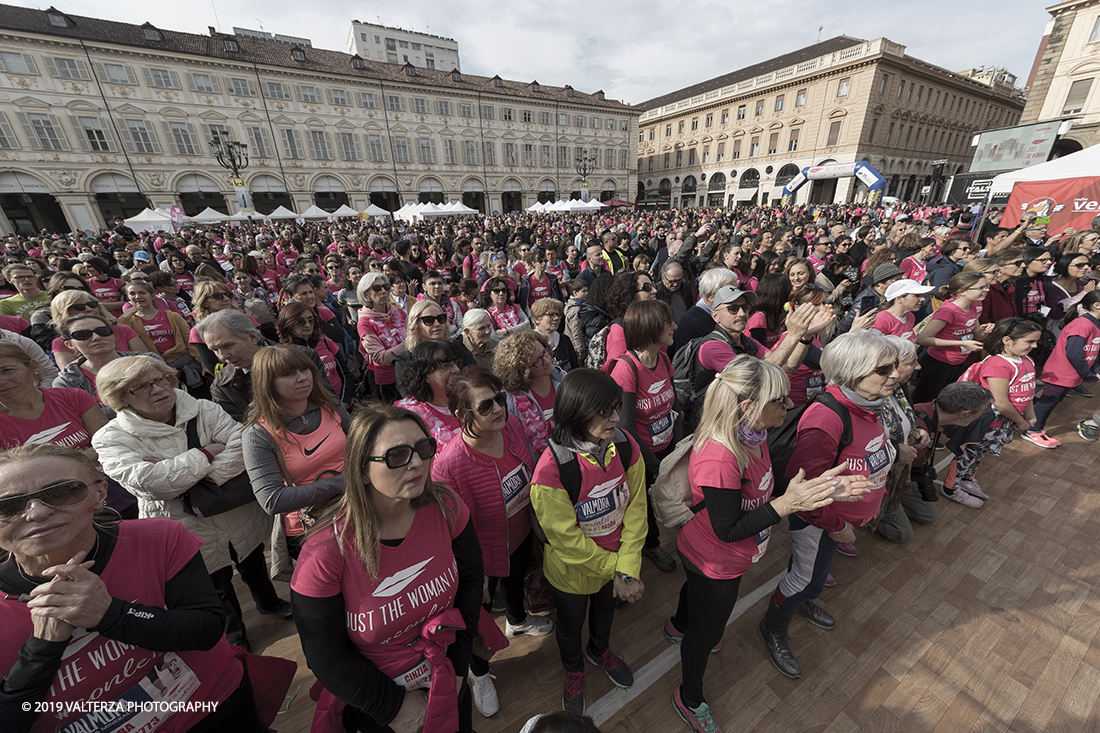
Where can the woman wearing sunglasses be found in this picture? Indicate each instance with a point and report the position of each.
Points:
(297, 324)
(381, 327)
(490, 465)
(861, 370)
(91, 340)
(424, 382)
(147, 450)
(395, 533)
(293, 440)
(69, 303)
(1069, 285)
(588, 493)
(71, 597)
(627, 287)
(1000, 302)
(498, 299)
(426, 322)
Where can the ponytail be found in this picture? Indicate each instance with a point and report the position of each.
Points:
(1012, 328)
(1081, 308)
(957, 284)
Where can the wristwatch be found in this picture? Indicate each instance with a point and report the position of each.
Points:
(624, 577)
(807, 342)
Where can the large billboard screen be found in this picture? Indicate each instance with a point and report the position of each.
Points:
(1014, 147)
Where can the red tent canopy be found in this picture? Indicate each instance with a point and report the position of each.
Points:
(616, 203)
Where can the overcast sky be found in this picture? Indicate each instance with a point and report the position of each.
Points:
(633, 50)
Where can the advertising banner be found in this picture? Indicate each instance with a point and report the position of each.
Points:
(1060, 205)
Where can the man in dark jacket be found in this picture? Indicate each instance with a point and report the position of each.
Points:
(873, 296)
(674, 290)
(953, 256)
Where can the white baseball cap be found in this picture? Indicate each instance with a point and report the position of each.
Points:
(907, 287)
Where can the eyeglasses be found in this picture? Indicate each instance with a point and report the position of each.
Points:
(677, 281)
(64, 493)
(380, 287)
(143, 389)
(400, 455)
(886, 369)
(1044, 260)
(613, 410)
(499, 290)
(220, 296)
(86, 333)
(1081, 265)
(544, 356)
(432, 320)
(81, 307)
(1016, 263)
(486, 406)
(305, 322)
(646, 288)
(449, 365)
(733, 307)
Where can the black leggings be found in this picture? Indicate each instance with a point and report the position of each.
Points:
(933, 376)
(513, 595)
(1052, 395)
(705, 607)
(253, 570)
(571, 609)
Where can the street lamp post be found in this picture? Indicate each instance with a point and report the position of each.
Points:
(233, 156)
(585, 164)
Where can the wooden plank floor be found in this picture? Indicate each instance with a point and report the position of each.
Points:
(986, 621)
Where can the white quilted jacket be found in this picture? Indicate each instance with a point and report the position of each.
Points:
(124, 443)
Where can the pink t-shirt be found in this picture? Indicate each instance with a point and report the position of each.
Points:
(95, 667)
(958, 326)
(546, 404)
(416, 580)
(1020, 373)
(123, 336)
(390, 332)
(716, 466)
(327, 350)
(160, 331)
(615, 346)
(805, 381)
(914, 268)
(539, 288)
(61, 422)
(184, 280)
(1058, 369)
(654, 398)
(286, 258)
(442, 424)
(109, 290)
(889, 324)
(759, 320)
(506, 316)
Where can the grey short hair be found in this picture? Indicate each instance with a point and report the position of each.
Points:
(362, 290)
(669, 264)
(852, 356)
(119, 375)
(904, 346)
(473, 317)
(714, 280)
(963, 397)
(234, 321)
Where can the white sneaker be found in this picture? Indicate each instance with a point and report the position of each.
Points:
(485, 694)
(961, 497)
(532, 626)
(971, 487)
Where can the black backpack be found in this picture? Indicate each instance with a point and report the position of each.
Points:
(782, 440)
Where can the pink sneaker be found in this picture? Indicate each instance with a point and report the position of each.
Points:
(830, 581)
(847, 548)
(1041, 439)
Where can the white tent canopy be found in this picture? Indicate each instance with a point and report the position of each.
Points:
(245, 216)
(345, 210)
(208, 216)
(282, 213)
(1082, 164)
(537, 207)
(315, 212)
(150, 220)
(374, 210)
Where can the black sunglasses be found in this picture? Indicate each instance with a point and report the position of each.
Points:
(486, 406)
(380, 288)
(400, 455)
(86, 333)
(499, 290)
(886, 369)
(613, 410)
(64, 493)
(646, 288)
(80, 307)
(432, 320)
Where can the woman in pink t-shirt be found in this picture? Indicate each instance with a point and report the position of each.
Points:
(903, 298)
(951, 335)
(731, 477)
(383, 582)
(1009, 374)
(70, 303)
(766, 322)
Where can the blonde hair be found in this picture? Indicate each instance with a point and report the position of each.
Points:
(63, 301)
(119, 375)
(412, 325)
(202, 292)
(744, 378)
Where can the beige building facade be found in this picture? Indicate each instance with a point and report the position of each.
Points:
(739, 138)
(1065, 80)
(99, 118)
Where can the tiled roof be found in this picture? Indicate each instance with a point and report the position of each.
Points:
(831, 45)
(277, 54)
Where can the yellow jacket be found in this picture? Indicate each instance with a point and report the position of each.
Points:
(573, 562)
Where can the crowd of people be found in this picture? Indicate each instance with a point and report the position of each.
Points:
(419, 425)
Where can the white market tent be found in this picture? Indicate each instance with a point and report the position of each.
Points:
(537, 207)
(1082, 164)
(245, 216)
(282, 213)
(208, 216)
(344, 210)
(374, 210)
(315, 212)
(150, 220)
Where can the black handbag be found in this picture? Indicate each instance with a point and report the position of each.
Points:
(206, 498)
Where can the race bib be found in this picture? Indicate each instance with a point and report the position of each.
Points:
(602, 512)
(762, 538)
(418, 677)
(660, 430)
(814, 383)
(517, 490)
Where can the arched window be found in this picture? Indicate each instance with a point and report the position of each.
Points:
(750, 179)
(785, 174)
